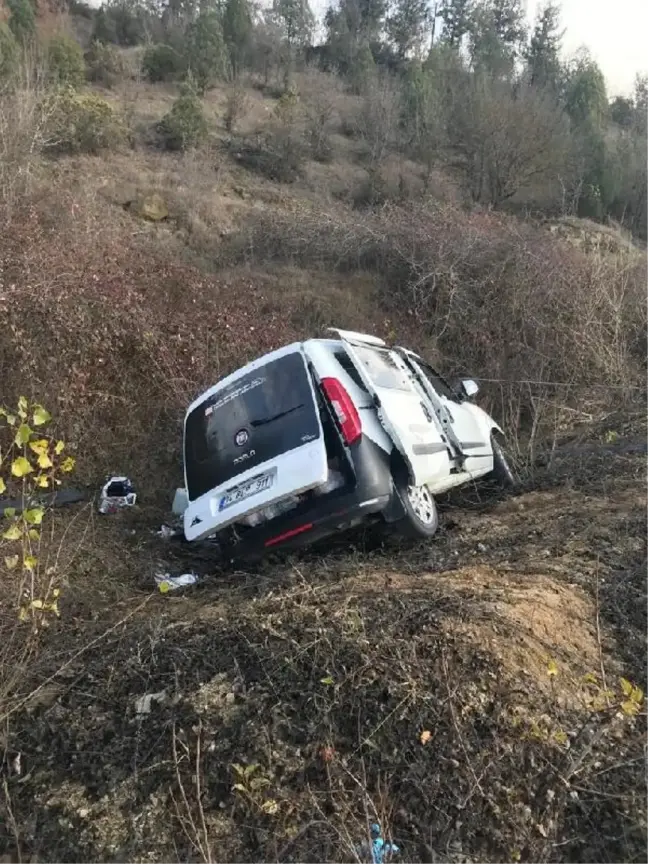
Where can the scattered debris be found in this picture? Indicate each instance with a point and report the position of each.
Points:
(117, 493)
(180, 502)
(167, 532)
(166, 582)
(143, 704)
(379, 848)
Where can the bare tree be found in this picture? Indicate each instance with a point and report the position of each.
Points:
(505, 139)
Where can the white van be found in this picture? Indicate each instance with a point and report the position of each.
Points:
(320, 435)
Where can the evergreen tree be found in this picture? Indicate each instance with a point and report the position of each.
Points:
(22, 19)
(407, 26)
(543, 52)
(297, 20)
(237, 31)
(455, 15)
(207, 56)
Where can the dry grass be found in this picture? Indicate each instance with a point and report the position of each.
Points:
(454, 639)
(120, 323)
(542, 323)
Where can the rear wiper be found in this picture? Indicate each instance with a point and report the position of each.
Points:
(275, 416)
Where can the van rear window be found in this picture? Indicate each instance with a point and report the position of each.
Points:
(259, 416)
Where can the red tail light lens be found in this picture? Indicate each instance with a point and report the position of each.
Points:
(345, 411)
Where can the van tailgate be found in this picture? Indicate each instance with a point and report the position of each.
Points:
(252, 442)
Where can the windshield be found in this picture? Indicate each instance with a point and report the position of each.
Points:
(257, 417)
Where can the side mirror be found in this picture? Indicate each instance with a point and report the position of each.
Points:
(469, 387)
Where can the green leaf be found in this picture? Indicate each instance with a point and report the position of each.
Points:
(239, 787)
(552, 668)
(11, 419)
(328, 680)
(250, 769)
(35, 516)
(59, 447)
(238, 769)
(20, 467)
(3, 486)
(41, 416)
(10, 512)
(33, 534)
(30, 562)
(42, 481)
(11, 561)
(23, 404)
(12, 533)
(23, 435)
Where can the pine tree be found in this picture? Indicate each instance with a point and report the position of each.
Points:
(22, 19)
(407, 26)
(297, 20)
(456, 20)
(237, 31)
(542, 54)
(206, 52)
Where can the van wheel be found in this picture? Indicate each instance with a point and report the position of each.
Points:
(502, 475)
(421, 518)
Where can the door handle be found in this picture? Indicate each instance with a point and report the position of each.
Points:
(426, 411)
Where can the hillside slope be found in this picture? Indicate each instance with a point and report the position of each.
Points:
(471, 694)
(410, 684)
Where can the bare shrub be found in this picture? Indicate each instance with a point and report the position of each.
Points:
(320, 93)
(506, 141)
(277, 152)
(378, 118)
(545, 326)
(236, 105)
(105, 64)
(24, 130)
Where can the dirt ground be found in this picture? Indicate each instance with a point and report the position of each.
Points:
(466, 693)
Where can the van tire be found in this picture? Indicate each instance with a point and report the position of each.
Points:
(421, 519)
(502, 476)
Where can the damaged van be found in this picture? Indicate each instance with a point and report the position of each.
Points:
(321, 435)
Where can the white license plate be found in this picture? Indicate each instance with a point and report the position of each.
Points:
(246, 490)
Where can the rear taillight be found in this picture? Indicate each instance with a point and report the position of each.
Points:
(345, 411)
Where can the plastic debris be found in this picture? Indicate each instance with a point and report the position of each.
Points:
(165, 582)
(180, 502)
(379, 849)
(117, 493)
(143, 704)
(166, 532)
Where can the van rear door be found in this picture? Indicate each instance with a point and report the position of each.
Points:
(404, 409)
(251, 441)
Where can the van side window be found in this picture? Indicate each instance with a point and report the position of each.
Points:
(349, 367)
(437, 381)
(381, 368)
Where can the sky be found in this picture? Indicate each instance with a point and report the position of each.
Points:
(615, 31)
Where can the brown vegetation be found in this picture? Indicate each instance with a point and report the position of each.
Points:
(470, 694)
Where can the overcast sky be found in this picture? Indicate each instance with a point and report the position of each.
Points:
(615, 31)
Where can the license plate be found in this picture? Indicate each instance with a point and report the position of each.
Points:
(246, 490)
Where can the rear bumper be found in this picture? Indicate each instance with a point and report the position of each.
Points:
(317, 518)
